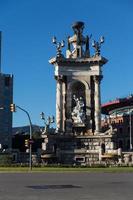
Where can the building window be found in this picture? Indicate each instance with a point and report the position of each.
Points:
(128, 144)
(120, 144)
(79, 144)
(80, 159)
(103, 147)
(120, 130)
(7, 81)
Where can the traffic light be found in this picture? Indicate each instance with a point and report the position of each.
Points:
(12, 107)
(26, 143)
(31, 141)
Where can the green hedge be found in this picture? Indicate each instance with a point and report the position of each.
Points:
(5, 159)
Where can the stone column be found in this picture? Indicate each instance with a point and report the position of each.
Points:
(63, 103)
(97, 99)
(59, 114)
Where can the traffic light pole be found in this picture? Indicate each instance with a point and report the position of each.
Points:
(30, 144)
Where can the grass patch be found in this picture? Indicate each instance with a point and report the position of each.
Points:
(66, 169)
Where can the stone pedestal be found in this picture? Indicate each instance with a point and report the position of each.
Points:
(126, 159)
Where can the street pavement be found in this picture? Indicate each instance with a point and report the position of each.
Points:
(66, 186)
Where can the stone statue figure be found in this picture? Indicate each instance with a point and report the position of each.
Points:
(78, 113)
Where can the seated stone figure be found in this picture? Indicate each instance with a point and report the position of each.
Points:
(78, 113)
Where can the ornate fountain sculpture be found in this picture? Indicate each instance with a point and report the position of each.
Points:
(78, 111)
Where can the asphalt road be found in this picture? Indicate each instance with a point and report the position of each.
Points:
(66, 186)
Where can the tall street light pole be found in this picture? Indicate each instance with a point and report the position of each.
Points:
(13, 109)
(30, 143)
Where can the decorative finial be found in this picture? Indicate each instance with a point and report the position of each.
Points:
(47, 122)
(97, 45)
(78, 30)
(59, 46)
(78, 27)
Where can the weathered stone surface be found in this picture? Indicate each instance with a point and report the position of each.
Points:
(78, 76)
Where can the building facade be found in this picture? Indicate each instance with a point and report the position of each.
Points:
(118, 114)
(6, 98)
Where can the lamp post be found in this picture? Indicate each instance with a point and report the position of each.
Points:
(13, 109)
(30, 142)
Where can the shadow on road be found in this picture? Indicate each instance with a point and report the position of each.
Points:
(41, 187)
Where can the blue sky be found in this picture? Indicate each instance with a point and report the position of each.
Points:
(28, 26)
